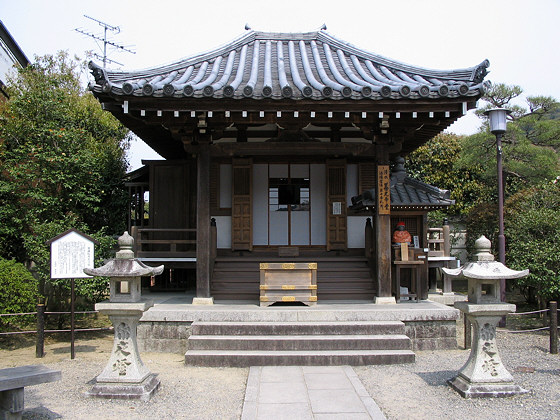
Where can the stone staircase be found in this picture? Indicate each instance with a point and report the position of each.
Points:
(242, 344)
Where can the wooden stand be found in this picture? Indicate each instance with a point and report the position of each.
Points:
(288, 282)
(404, 258)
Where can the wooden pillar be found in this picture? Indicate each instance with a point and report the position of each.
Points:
(203, 240)
(383, 227)
(383, 239)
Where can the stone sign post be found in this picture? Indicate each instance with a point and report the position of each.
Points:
(484, 374)
(125, 376)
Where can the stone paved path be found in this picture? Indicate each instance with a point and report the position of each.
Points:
(307, 392)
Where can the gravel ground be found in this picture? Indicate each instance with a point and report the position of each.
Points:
(420, 390)
(415, 391)
(185, 392)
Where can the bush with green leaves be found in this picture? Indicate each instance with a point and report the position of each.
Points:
(532, 237)
(18, 293)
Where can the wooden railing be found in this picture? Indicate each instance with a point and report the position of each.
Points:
(164, 243)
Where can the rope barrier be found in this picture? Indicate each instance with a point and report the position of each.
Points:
(524, 331)
(76, 312)
(51, 313)
(55, 331)
(529, 313)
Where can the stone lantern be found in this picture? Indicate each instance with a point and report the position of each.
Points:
(125, 376)
(484, 374)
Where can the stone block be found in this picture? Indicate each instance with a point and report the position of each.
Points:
(448, 329)
(447, 343)
(427, 330)
(425, 344)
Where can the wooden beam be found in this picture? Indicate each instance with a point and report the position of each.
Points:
(290, 149)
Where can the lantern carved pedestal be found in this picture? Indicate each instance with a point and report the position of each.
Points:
(125, 376)
(484, 374)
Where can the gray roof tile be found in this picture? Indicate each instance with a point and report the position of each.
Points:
(312, 65)
(407, 192)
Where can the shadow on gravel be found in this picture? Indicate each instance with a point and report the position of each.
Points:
(40, 413)
(437, 378)
(548, 371)
(78, 349)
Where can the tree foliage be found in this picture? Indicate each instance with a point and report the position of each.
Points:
(436, 163)
(62, 158)
(530, 145)
(530, 153)
(532, 230)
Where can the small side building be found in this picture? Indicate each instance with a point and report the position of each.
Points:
(10, 55)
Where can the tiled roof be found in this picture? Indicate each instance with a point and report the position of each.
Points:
(409, 193)
(311, 65)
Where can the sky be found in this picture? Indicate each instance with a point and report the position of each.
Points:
(519, 37)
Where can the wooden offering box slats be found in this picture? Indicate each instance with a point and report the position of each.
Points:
(288, 282)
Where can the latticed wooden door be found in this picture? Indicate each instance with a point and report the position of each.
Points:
(337, 232)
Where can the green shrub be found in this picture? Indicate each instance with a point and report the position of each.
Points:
(18, 293)
(532, 232)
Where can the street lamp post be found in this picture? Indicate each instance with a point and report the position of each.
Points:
(498, 121)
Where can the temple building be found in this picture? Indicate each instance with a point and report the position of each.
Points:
(266, 142)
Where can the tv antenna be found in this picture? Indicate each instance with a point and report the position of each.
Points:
(106, 27)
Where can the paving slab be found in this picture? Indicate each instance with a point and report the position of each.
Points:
(307, 392)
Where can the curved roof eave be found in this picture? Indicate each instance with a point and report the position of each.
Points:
(313, 65)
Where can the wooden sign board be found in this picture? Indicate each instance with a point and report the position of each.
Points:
(71, 252)
(383, 189)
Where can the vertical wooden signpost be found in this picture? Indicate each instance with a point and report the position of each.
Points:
(71, 252)
(383, 234)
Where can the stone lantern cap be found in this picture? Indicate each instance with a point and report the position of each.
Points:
(125, 273)
(484, 274)
(485, 268)
(124, 265)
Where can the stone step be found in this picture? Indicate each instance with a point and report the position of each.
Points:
(298, 328)
(240, 358)
(299, 342)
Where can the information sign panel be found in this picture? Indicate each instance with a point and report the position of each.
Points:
(71, 252)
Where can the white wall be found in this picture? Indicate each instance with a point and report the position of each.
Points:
(351, 182)
(223, 228)
(225, 186)
(356, 229)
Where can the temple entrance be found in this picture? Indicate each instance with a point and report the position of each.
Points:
(289, 205)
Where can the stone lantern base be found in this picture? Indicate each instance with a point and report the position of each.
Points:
(484, 390)
(126, 391)
(484, 375)
(125, 376)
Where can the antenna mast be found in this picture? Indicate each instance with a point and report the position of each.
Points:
(106, 27)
